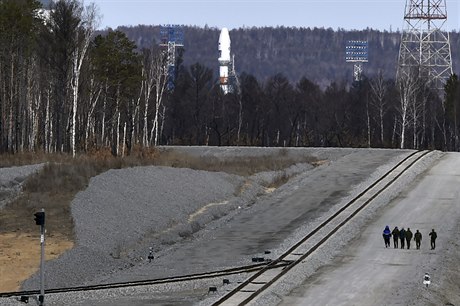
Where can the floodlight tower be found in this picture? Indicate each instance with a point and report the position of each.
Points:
(356, 51)
(171, 37)
(425, 48)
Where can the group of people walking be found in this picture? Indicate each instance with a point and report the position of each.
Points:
(405, 237)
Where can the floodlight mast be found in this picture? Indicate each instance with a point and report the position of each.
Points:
(425, 48)
(357, 52)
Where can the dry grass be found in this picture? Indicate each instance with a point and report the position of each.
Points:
(244, 166)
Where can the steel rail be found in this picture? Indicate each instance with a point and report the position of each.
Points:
(417, 155)
(175, 279)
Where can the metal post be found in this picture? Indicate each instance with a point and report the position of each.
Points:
(41, 297)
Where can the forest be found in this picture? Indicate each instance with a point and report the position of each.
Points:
(67, 88)
(314, 53)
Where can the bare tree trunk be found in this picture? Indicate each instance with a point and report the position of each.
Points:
(124, 140)
(403, 128)
(423, 137)
(74, 82)
(118, 134)
(116, 125)
(408, 85)
(148, 71)
(160, 79)
(93, 102)
(136, 114)
(89, 25)
(11, 106)
(379, 89)
(34, 110)
(104, 109)
(240, 118)
(163, 115)
(48, 127)
(368, 124)
(393, 135)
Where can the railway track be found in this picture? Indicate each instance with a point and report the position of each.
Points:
(268, 272)
(260, 281)
(177, 279)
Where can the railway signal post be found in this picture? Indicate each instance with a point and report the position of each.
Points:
(40, 220)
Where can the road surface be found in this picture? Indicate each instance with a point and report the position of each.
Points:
(369, 274)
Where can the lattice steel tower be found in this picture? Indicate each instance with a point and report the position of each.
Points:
(425, 48)
(171, 37)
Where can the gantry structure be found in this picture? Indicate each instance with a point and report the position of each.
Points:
(425, 47)
(171, 37)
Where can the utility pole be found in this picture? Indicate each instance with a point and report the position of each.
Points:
(40, 220)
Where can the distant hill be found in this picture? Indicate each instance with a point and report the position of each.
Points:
(315, 53)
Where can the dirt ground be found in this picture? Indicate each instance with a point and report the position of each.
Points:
(20, 256)
(20, 236)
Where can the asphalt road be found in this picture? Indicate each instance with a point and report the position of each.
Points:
(369, 274)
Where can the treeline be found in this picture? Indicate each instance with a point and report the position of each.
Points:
(315, 53)
(375, 112)
(66, 88)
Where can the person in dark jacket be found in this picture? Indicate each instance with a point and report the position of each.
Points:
(418, 239)
(386, 236)
(433, 237)
(408, 237)
(402, 236)
(395, 234)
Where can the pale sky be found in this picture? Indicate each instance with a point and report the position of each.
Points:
(353, 14)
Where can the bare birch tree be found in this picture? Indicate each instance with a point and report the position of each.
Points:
(379, 90)
(87, 27)
(148, 82)
(94, 94)
(159, 82)
(408, 86)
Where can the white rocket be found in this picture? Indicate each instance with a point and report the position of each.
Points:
(224, 59)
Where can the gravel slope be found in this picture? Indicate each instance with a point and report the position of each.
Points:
(122, 211)
(11, 180)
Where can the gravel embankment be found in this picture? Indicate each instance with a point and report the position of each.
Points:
(122, 212)
(11, 180)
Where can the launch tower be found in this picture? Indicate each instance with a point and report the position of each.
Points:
(425, 48)
(171, 37)
(356, 51)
